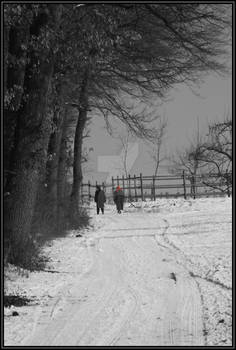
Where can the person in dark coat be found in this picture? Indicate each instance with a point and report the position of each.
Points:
(118, 197)
(100, 199)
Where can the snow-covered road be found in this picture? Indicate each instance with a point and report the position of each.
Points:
(155, 275)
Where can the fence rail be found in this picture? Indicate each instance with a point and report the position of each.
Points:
(152, 187)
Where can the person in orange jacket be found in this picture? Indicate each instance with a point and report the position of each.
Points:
(118, 197)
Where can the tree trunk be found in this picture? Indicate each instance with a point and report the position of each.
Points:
(15, 45)
(31, 157)
(61, 175)
(78, 142)
(34, 131)
(156, 168)
(5, 55)
(52, 164)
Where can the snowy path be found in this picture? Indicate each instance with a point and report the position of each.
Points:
(145, 279)
(129, 297)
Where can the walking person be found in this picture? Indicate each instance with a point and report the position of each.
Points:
(118, 197)
(100, 199)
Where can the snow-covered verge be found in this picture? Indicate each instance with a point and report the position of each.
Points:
(68, 258)
(195, 235)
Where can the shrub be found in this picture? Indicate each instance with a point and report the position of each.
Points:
(25, 253)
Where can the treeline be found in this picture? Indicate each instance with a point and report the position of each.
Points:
(66, 63)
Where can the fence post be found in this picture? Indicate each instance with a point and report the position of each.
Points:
(184, 185)
(141, 184)
(112, 182)
(89, 190)
(194, 185)
(135, 189)
(123, 184)
(129, 189)
(118, 181)
(154, 192)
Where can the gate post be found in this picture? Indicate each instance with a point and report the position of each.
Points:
(184, 184)
(123, 182)
(129, 189)
(89, 190)
(135, 189)
(112, 182)
(154, 192)
(141, 184)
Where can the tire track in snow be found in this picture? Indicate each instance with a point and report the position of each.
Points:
(168, 336)
(50, 317)
(92, 311)
(94, 329)
(91, 332)
(126, 320)
(88, 333)
(183, 261)
(45, 314)
(189, 311)
(137, 301)
(60, 325)
(123, 265)
(186, 259)
(203, 313)
(106, 333)
(183, 264)
(113, 335)
(65, 291)
(121, 324)
(182, 323)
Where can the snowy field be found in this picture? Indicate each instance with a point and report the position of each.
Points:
(158, 274)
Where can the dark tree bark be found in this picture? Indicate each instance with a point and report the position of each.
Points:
(34, 132)
(15, 48)
(30, 156)
(80, 127)
(61, 175)
(52, 163)
(5, 52)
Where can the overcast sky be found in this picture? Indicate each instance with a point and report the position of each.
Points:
(182, 113)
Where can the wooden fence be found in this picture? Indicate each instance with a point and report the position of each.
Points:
(153, 187)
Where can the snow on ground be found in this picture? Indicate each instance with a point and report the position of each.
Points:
(158, 274)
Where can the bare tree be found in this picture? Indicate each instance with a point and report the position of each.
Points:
(144, 51)
(220, 141)
(208, 158)
(157, 145)
(190, 161)
(216, 155)
(86, 150)
(125, 141)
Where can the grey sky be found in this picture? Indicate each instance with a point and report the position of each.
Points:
(182, 112)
